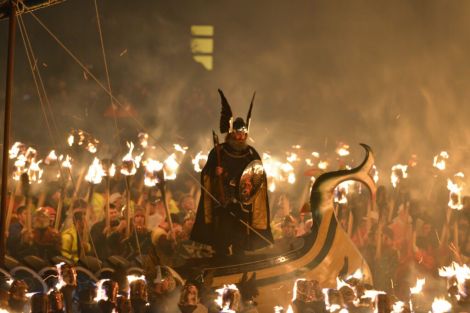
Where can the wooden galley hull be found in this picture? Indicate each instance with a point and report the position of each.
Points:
(325, 254)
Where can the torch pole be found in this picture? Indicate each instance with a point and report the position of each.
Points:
(161, 185)
(128, 205)
(60, 205)
(106, 216)
(6, 127)
(10, 205)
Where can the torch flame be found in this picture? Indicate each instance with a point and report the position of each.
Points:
(52, 156)
(180, 148)
(100, 292)
(372, 294)
(35, 172)
(70, 140)
(440, 305)
(343, 150)
(95, 172)
(399, 171)
(419, 286)
(292, 157)
(198, 159)
(129, 164)
(356, 275)
(455, 197)
(398, 307)
(323, 165)
(143, 138)
(15, 149)
(151, 167)
(225, 306)
(20, 167)
(440, 160)
(171, 167)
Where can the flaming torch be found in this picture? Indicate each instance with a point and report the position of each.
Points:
(455, 204)
(399, 172)
(440, 160)
(416, 298)
(94, 177)
(440, 305)
(128, 169)
(109, 170)
(199, 161)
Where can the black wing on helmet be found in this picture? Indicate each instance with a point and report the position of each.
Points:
(226, 115)
(248, 117)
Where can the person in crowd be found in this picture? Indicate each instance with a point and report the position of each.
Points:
(74, 243)
(165, 293)
(19, 240)
(107, 240)
(386, 262)
(289, 240)
(189, 300)
(140, 240)
(186, 206)
(46, 240)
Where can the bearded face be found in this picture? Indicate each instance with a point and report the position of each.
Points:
(237, 140)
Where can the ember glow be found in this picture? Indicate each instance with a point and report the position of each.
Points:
(95, 172)
(419, 286)
(399, 172)
(199, 161)
(440, 305)
(440, 160)
(455, 196)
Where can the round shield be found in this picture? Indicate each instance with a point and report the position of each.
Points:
(251, 181)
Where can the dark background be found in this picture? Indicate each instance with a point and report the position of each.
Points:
(393, 74)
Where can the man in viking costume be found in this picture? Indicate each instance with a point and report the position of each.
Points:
(224, 220)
